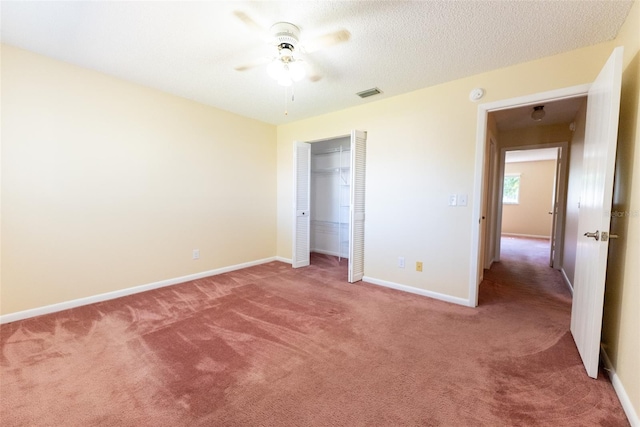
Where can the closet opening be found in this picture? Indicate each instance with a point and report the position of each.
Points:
(330, 190)
(329, 201)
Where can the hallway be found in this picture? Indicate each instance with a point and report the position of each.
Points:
(525, 262)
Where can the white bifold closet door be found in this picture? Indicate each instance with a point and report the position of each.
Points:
(357, 205)
(302, 204)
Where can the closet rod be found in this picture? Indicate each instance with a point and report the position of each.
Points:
(330, 151)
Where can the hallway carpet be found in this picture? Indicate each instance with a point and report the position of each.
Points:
(274, 346)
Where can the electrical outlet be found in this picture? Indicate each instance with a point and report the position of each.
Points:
(419, 266)
(400, 262)
(462, 200)
(453, 200)
(196, 254)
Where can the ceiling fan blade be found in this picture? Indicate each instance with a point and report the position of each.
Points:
(253, 64)
(326, 40)
(250, 23)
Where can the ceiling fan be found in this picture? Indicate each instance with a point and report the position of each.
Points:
(286, 66)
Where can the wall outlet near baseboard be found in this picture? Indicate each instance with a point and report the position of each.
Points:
(419, 266)
(196, 254)
(400, 262)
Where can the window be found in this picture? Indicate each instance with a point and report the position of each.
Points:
(511, 189)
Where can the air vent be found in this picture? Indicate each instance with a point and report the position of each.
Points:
(369, 92)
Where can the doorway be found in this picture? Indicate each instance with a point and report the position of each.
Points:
(518, 131)
(533, 188)
(330, 182)
(528, 192)
(329, 201)
(598, 167)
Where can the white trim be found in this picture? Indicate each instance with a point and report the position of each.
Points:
(283, 259)
(481, 140)
(418, 291)
(534, 98)
(530, 236)
(566, 280)
(20, 315)
(629, 410)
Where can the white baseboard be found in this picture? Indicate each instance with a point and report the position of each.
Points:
(531, 236)
(20, 315)
(418, 291)
(330, 253)
(285, 260)
(567, 281)
(629, 410)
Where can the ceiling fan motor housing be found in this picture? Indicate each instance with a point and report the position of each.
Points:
(285, 35)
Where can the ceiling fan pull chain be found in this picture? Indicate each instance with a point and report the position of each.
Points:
(286, 96)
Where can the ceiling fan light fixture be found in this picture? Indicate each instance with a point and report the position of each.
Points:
(285, 81)
(285, 73)
(538, 113)
(296, 71)
(275, 69)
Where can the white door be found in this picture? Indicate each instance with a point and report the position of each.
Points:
(301, 204)
(601, 133)
(357, 205)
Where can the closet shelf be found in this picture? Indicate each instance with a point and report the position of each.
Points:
(322, 222)
(332, 151)
(330, 170)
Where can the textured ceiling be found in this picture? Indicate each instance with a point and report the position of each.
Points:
(190, 48)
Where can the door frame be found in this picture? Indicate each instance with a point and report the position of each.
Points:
(355, 213)
(295, 262)
(559, 194)
(476, 264)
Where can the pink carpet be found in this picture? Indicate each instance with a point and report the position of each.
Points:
(273, 346)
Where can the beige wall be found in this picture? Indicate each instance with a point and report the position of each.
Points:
(530, 217)
(413, 149)
(108, 185)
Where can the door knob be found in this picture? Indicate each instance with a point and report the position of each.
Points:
(595, 235)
